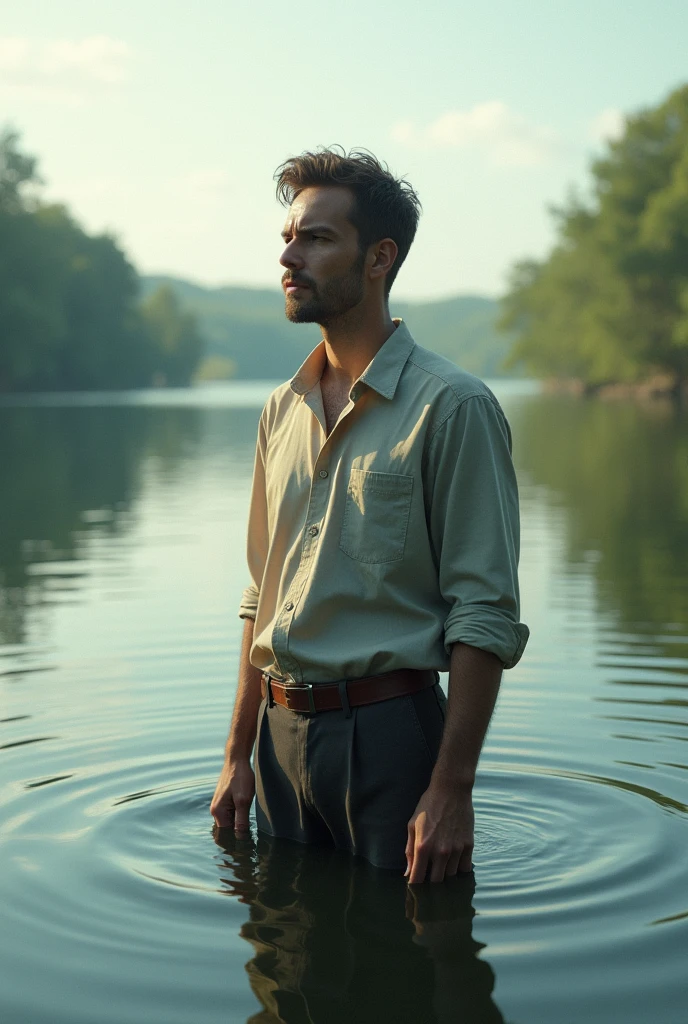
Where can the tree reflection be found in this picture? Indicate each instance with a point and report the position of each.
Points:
(621, 471)
(70, 473)
(336, 940)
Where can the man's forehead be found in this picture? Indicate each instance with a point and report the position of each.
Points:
(322, 204)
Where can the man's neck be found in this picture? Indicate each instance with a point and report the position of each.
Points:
(353, 340)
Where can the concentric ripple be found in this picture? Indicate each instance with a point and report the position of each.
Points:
(556, 848)
(567, 864)
(137, 837)
(552, 847)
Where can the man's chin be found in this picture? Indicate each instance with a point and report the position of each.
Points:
(300, 312)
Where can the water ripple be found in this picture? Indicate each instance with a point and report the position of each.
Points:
(557, 848)
(553, 847)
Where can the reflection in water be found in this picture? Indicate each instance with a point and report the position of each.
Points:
(337, 940)
(70, 475)
(621, 472)
(60, 465)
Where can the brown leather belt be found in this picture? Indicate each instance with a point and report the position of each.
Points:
(311, 697)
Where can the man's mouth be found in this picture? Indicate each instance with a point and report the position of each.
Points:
(293, 286)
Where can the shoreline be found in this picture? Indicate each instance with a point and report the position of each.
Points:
(660, 386)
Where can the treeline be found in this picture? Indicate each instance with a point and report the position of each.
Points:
(70, 311)
(610, 302)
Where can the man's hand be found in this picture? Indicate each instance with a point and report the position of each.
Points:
(234, 793)
(440, 834)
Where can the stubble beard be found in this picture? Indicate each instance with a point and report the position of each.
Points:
(335, 298)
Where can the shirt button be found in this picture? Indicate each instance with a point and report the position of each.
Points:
(289, 605)
(313, 531)
(323, 474)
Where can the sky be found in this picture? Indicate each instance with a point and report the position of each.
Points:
(163, 123)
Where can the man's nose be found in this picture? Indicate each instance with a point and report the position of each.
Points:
(290, 258)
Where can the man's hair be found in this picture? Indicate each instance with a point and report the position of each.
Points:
(384, 206)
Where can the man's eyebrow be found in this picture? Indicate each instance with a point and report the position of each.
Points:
(309, 229)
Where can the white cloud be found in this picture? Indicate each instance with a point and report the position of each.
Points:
(500, 134)
(62, 69)
(608, 125)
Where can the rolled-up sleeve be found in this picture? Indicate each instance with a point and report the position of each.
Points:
(257, 535)
(248, 607)
(474, 527)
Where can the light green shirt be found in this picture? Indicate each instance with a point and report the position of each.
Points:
(380, 546)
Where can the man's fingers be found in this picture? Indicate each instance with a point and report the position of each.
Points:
(241, 816)
(419, 866)
(233, 797)
(452, 864)
(439, 864)
(223, 812)
(224, 818)
(466, 860)
(410, 843)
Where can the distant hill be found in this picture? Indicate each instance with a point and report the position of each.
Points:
(462, 329)
(248, 327)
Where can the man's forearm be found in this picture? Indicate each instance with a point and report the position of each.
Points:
(242, 732)
(474, 678)
(441, 830)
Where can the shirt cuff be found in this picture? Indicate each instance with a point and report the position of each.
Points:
(249, 603)
(489, 630)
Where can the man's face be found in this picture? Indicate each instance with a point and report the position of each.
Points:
(323, 275)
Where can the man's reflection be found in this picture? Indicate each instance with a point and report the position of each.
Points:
(337, 940)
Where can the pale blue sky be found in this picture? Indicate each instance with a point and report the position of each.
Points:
(164, 122)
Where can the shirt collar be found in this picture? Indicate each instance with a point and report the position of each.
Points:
(381, 374)
(310, 371)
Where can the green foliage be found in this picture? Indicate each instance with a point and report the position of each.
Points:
(610, 303)
(17, 171)
(215, 368)
(69, 313)
(174, 335)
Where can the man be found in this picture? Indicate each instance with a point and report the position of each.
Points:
(383, 548)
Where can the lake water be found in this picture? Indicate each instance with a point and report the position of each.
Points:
(122, 523)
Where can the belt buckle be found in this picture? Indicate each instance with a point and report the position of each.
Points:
(311, 698)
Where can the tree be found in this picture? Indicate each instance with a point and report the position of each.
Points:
(177, 343)
(17, 171)
(610, 302)
(69, 301)
(30, 311)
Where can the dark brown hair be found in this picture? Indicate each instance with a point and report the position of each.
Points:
(384, 206)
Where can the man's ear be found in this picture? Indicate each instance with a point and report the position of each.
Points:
(382, 256)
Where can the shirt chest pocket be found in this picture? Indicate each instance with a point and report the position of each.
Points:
(376, 516)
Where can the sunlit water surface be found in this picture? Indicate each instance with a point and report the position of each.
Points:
(122, 523)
